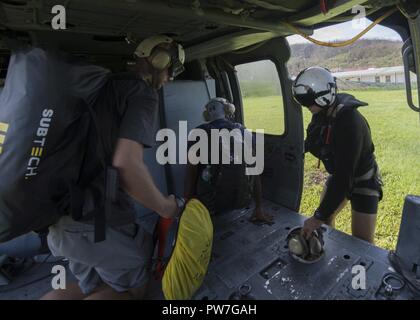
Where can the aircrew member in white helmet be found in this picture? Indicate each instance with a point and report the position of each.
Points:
(340, 137)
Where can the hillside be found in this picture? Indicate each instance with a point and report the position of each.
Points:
(361, 55)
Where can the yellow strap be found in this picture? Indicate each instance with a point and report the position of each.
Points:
(4, 127)
(341, 43)
(35, 151)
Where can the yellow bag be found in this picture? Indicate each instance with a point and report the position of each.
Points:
(189, 261)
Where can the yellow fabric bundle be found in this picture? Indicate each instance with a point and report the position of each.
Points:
(188, 264)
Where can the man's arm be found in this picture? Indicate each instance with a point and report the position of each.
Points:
(259, 216)
(137, 181)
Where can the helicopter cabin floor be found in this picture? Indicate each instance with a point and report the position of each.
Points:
(256, 257)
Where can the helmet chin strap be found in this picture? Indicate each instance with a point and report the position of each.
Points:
(148, 79)
(155, 80)
(326, 106)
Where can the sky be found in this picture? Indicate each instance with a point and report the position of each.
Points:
(347, 30)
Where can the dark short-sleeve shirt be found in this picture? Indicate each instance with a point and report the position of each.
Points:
(127, 108)
(137, 104)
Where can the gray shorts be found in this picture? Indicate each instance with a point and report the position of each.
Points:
(122, 261)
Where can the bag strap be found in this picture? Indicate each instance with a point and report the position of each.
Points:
(170, 182)
(111, 181)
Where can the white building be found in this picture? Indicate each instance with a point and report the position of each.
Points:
(375, 75)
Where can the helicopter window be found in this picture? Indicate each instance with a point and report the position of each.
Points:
(262, 96)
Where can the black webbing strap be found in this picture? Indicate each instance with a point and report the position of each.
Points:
(111, 177)
(170, 183)
(160, 232)
(111, 183)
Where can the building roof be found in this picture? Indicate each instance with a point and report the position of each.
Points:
(370, 72)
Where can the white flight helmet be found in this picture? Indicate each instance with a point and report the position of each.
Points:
(315, 86)
(161, 59)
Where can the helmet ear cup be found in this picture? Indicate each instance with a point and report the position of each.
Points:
(315, 246)
(206, 115)
(160, 59)
(298, 245)
(295, 246)
(229, 109)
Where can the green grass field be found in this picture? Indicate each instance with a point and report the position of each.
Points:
(396, 134)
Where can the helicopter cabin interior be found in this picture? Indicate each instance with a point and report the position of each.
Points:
(221, 37)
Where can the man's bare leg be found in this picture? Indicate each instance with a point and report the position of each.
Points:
(363, 226)
(72, 292)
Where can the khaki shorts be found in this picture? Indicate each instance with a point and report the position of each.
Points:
(122, 261)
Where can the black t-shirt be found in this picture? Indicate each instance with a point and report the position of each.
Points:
(127, 108)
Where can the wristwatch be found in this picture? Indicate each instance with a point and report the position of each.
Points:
(180, 202)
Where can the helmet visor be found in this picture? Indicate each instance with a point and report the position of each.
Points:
(304, 95)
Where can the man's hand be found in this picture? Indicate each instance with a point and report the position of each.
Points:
(259, 217)
(171, 209)
(310, 226)
(137, 181)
